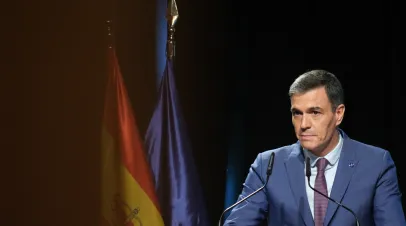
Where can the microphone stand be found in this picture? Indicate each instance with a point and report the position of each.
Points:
(268, 173)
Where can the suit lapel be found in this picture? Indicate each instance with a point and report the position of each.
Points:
(345, 169)
(294, 166)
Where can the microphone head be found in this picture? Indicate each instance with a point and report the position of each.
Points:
(308, 171)
(270, 164)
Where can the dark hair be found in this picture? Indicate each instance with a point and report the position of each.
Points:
(319, 78)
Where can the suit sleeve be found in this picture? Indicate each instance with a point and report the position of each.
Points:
(252, 211)
(388, 209)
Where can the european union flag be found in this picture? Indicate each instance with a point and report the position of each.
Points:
(170, 157)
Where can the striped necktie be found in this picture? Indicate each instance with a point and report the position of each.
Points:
(320, 202)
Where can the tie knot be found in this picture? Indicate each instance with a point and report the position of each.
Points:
(321, 164)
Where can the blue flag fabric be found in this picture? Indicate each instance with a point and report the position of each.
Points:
(170, 157)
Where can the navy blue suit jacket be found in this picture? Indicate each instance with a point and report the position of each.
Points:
(365, 181)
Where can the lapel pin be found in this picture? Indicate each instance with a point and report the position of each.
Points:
(351, 165)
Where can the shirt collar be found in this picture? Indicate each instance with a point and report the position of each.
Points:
(332, 157)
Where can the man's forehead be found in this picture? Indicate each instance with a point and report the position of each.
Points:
(309, 100)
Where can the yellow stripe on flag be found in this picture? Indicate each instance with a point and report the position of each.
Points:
(124, 202)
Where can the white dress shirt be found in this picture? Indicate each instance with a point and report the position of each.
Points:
(330, 171)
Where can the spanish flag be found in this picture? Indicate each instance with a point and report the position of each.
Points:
(128, 194)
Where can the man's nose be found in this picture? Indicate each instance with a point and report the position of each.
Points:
(305, 123)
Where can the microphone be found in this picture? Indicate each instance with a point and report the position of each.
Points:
(309, 173)
(268, 173)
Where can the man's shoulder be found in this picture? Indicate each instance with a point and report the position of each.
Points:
(366, 150)
(280, 152)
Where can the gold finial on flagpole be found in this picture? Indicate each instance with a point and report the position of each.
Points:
(172, 15)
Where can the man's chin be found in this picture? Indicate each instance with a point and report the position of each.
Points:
(308, 145)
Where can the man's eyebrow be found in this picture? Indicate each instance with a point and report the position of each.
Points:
(315, 108)
(294, 110)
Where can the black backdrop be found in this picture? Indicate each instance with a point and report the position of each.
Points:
(233, 57)
(240, 57)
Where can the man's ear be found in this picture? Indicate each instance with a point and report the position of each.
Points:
(339, 114)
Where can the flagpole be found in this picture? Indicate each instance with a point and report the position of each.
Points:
(110, 34)
(172, 15)
(111, 19)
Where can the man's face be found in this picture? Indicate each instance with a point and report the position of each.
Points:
(314, 121)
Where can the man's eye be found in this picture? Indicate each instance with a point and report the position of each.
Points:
(316, 112)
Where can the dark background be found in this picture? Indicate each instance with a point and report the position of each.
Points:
(235, 61)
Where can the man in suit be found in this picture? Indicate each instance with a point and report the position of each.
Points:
(360, 176)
